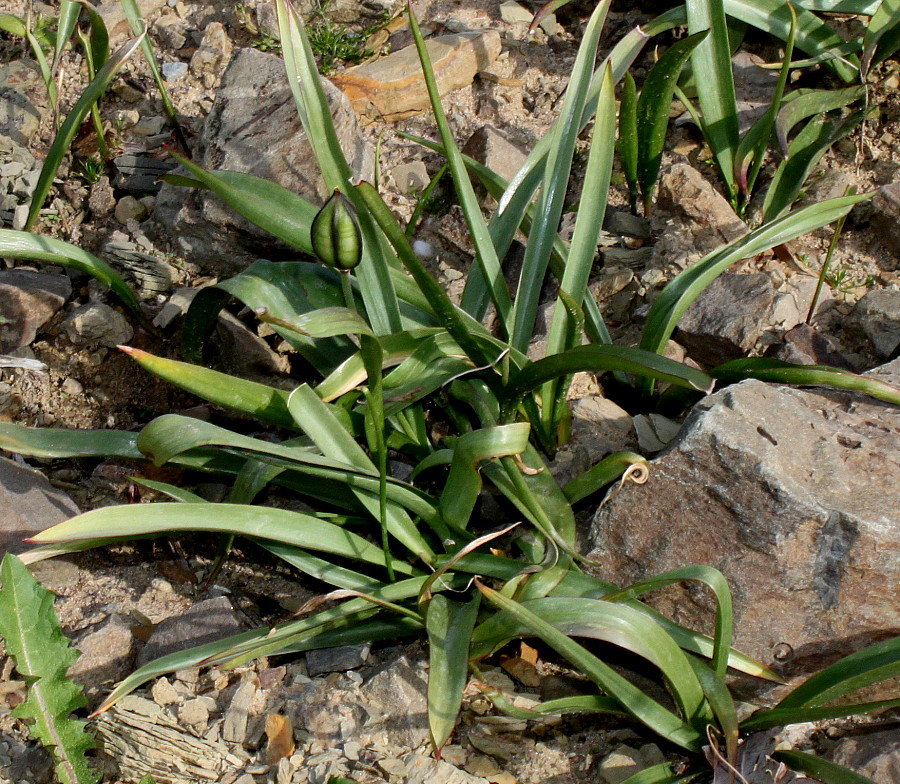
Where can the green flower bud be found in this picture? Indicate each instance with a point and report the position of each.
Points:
(335, 234)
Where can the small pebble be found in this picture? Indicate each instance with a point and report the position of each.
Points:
(172, 72)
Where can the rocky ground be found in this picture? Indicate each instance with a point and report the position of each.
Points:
(335, 713)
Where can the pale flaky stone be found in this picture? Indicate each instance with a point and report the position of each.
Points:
(392, 88)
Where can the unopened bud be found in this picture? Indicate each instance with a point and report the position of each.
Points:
(335, 234)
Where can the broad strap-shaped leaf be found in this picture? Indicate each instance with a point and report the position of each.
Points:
(823, 770)
(275, 209)
(31, 634)
(603, 358)
(873, 664)
(464, 482)
(59, 442)
(800, 104)
(449, 625)
(627, 142)
(883, 22)
(286, 291)
(804, 154)
(294, 528)
(780, 717)
(23, 245)
(602, 473)
(711, 63)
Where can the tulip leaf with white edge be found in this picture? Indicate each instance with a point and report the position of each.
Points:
(449, 625)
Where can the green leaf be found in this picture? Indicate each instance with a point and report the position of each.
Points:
(823, 770)
(804, 153)
(275, 209)
(376, 284)
(248, 397)
(778, 372)
(23, 245)
(804, 103)
(464, 482)
(601, 474)
(554, 184)
(601, 358)
(65, 26)
(449, 625)
(485, 253)
(31, 634)
(554, 619)
(884, 21)
(715, 90)
(780, 717)
(652, 115)
(287, 291)
(627, 143)
(678, 295)
(66, 134)
(57, 442)
(873, 664)
(13, 25)
(294, 528)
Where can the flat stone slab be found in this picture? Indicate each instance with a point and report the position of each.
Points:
(392, 88)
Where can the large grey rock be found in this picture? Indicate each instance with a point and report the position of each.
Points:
(23, 100)
(794, 495)
(28, 504)
(252, 128)
(28, 300)
(397, 705)
(877, 316)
